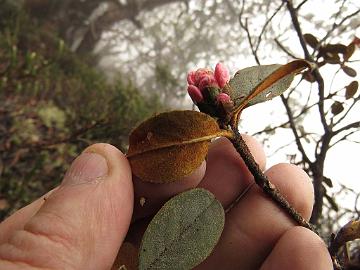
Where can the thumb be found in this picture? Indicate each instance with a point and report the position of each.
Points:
(82, 224)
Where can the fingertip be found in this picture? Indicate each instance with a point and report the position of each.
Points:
(299, 249)
(117, 162)
(295, 185)
(223, 146)
(90, 212)
(149, 197)
(227, 175)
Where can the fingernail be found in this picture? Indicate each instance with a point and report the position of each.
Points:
(86, 168)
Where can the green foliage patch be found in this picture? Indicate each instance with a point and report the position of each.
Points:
(53, 105)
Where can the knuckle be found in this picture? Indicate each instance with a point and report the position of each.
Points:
(44, 243)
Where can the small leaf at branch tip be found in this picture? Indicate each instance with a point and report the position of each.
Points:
(351, 89)
(349, 71)
(311, 40)
(183, 233)
(349, 232)
(336, 108)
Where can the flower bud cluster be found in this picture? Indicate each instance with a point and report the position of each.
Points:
(208, 89)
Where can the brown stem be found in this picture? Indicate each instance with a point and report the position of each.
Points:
(263, 182)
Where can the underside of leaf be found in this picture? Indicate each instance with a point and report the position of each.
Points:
(171, 145)
(261, 83)
(183, 233)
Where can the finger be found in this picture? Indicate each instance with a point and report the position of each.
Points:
(17, 220)
(226, 176)
(226, 173)
(82, 223)
(255, 224)
(299, 249)
(149, 197)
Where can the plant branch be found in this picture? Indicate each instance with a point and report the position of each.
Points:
(319, 79)
(263, 182)
(282, 47)
(265, 26)
(347, 127)
(294, 130)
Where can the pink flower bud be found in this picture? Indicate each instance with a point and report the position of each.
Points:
(191, 77)
(221, 74)
(207, 81)
(195, 94)
(223, 98)
(200, 74)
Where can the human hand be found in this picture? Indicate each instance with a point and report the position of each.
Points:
(83, 222)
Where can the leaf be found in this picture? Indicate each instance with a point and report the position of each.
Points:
(334, 49)
(332, 202)
(261, 83)
(171, 145)
(351, 89)
(349, 232)
(337, 108)
(349, 71)
(350, 49)
(307, 75)
(311, 40)
(332, 58)
(183, 233)
(328, 181)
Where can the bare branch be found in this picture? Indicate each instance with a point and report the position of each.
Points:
(316, 72)
(265, 26)
(286, 50)
(294, 130)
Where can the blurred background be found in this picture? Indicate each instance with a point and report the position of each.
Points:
(73, 73)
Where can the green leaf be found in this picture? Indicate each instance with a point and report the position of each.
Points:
(247, 79)
(183, 233)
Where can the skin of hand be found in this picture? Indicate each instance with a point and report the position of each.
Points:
(82, 223)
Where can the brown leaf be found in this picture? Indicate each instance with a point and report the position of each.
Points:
(351, 89)
(332, 58)
(349, 232)
(350, 49)
(334, 48)
(328, 181)
(349, 71)
(311, 40)
(171, 145)
(332, 202)
(127, 257)
(307, 75)
(337, 108)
